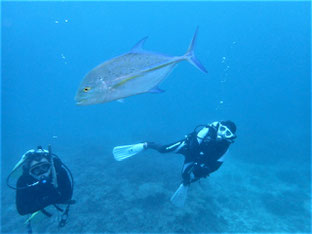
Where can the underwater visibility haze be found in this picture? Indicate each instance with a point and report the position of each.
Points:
(257, 55)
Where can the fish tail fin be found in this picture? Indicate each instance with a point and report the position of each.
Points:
(190, 56)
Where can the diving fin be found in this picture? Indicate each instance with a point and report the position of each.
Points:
(179, 197)
(33, 215)
(125, 151)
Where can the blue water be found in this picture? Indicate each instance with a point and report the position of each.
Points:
(258, 61)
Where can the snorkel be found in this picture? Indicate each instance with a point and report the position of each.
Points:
(54, 178)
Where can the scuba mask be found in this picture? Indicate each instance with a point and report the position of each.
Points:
(40, 170)
(223, 132)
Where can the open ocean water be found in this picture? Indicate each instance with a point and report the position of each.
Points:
(258, 59)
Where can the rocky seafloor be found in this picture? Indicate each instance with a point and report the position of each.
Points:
(133, 196)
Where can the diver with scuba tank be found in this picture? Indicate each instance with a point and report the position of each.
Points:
(45, 181)
(204, 151)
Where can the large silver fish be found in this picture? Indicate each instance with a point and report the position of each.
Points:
(133, 73)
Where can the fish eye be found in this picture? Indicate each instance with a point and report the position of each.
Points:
(86, 89)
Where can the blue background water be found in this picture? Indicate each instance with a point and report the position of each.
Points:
(258, 61)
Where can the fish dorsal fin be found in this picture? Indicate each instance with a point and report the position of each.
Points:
(139, 46)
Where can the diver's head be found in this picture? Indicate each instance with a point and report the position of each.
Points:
(38, 164)
(40, 170)
(225, 130)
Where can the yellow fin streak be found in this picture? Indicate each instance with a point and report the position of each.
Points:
(140, 74)
(125, 81)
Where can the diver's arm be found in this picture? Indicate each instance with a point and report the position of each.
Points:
(177, 147)
(22, 201)
(26, 199)
(64, 185)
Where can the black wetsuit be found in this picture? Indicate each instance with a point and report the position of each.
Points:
(39, 196)
(201, 159)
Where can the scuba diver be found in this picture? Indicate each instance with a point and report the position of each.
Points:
(204, 150)
(45, 181)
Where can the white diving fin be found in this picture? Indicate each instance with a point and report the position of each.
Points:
(179, 197)
(125, 151)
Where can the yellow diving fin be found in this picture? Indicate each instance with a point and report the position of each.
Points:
(33, 215)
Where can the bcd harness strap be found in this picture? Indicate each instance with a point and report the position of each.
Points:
(46, 212)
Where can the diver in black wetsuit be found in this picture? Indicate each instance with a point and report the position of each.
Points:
(204, 151)
(45, 181)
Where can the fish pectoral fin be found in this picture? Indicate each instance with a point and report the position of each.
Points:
(139, 46)
(156, 89)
